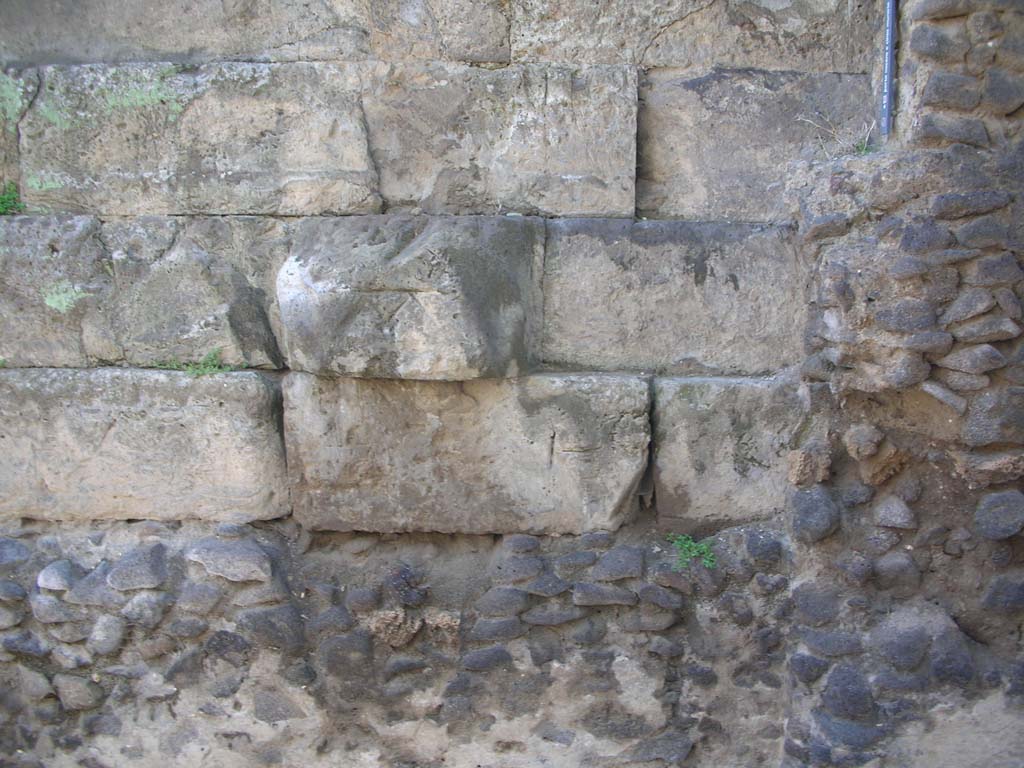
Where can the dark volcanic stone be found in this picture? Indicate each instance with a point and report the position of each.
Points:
(503, 601)
(950, 659)
(1000, 515)
(619, 563)
(280, 627)
(490, 630)
(12, 553)
(847, 694)
(661, 597)
(516, 568)
(144, 567)
(763, 546)
(348, 654)
(828, 643)
(520, 542)
(550, 615)
(487, 658)
(568, 564)
(901, 646)
(547, 585)
(602, 594)
(807, 668)
(1005, 592)
(815, 514)
(847, 732)
(816, 604)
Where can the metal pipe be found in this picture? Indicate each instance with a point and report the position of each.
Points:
(888, 68)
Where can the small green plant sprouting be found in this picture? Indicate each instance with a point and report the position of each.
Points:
(10, 200)
(689, 550)
(211, 363)
(3, 362)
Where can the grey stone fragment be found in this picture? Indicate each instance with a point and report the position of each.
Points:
(402, 665)
(26, 643)
(849, 733)
(862, 440)
(976, 359)
(647, 618)
(903, 644)
(969, 303)
(234, 560)
(1004, 91)
(569, 564)
(672, 297)
(944, 396)
(938, 129)
(58, 576)
(831, 642)
(950, 659)
(492, 630)
(11, 592)
(229, 646)
(602, 594)
(12, 553)
(517, 568)
(144, 567)
(897, 570)
(662, 597)
(1009, 302)
(847, 693)
(502, 601)
(984, 329)
(999, 269)
(47, 609)
(1005, 592)
(905, 316)
(362, 599)
(925, 236)
(807, 668)
(93, 590)
(274, 706)
(1000, 515)
(280, 627)
(106, 635)
(547, 585)
(984, 232)
(995, 416)
(126, 140)
(486, 659)
(619, 563)
(198, 598)
(542, 454)
(815, 514)
(956, 205)
(412, 297)
(146, 609)
(764, 546)
(77, 693)
(933, 42)
(816, 604)
(951, 91)
(153, 445)
(669, 749)
(893, 512)
(708, 149)
(520, 543)
(551, 615)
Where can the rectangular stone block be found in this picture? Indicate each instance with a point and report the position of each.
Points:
(721, 448)
(553, 140)
(286, 139)
(146, 291)
(806, 35)
(718, 146)
(118, 443)
(543, 454)
(672, 297)
(57, 31)
(412, 297)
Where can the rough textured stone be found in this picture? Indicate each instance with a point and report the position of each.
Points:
(996, 416)
(602, 594)
(1005, 592)
(51, 31)
(893, 512)
(720, 449)
(976, 359)
(1000, 515)
(541, 454)
(223, 138)
(412, 297)
(77, 693)
(696, 33)
(144, 567)
(671, 297)
(553, 140)
(151, 444)
(716, 146)
(238, 560)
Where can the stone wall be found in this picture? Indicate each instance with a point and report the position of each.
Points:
(357, 358)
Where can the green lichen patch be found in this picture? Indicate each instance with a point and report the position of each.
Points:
(63, 296)
(42, 182)
(139, 90)
(11, 101)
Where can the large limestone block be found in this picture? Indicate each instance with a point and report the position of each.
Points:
(221, 139)
(75, 292)
(116, 443)
(545, 454)
(718, 146)
(554, 140)
(412, 297)
(721, 448)
(58, 31)
(672, 297)
(805, 35)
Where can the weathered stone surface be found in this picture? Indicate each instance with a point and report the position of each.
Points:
(16, 92)
(996, 416)
(720, 449)
(815, 514)
(808, 35)
(717, 146)
(1000, 515)
(51, 31)
(672, 297)
(543, 454)
(116, 443)
(237, 560)
(412, 297)
(555, 140)
(141, 291)
(220, 139)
